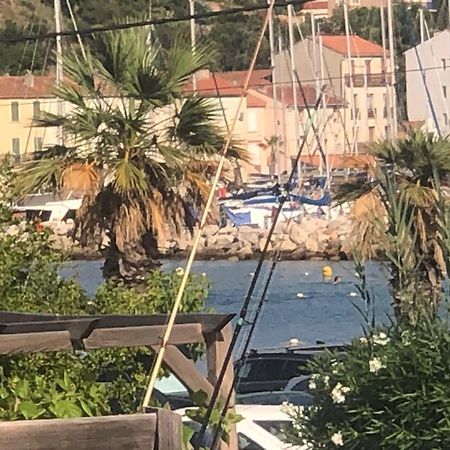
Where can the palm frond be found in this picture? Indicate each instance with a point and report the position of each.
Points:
(129, 180)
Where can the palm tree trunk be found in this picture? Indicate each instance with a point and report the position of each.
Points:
(133, 262)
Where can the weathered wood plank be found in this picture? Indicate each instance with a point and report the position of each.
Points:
(215, 355)
(168, 434)
(34, 342)
(142, 336)
(135, 432)
(209, 322)
(185, 370)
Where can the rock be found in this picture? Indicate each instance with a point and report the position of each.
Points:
(224, 241)
(262, 244)
(228, 229)
(210, 230)
(311, 245)
(298, 235)
(247, 229)
(211, 240)
(248, 237)
(233, 258)
(287, 246)
(245, 252)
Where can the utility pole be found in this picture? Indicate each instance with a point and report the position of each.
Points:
(392, 60)
(422, 28)
(274, 97)
(59, 65)
(294, 86)
(350, 71)
(192, 22)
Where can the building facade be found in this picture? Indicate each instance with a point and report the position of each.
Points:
(428, 83)
(362, 81)
(21, 99)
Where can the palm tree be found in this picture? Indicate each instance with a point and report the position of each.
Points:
(142, 145)
(398, 214)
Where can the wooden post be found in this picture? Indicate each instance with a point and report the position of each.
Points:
(216, 348)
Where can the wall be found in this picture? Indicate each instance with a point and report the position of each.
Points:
(21, 129)
(434, 78)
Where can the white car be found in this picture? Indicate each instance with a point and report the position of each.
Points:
(261, 428)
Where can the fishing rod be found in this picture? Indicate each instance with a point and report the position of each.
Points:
(243, 313)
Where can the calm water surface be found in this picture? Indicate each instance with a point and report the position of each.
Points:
(326, 312)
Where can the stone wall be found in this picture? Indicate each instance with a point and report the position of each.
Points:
(311, 239)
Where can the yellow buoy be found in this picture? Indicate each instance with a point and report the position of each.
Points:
(327, 271)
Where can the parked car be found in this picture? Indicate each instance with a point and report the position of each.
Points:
(261, 428)
(270, 370)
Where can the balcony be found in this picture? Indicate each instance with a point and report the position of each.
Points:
(373, 80)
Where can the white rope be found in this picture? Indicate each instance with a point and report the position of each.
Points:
(179, 297)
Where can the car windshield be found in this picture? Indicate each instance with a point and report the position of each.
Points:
(274, 427)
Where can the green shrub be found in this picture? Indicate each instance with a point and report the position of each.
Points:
(65, 384)
(389, 390)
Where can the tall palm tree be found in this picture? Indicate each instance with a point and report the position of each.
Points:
(143, 145)
(398, 214)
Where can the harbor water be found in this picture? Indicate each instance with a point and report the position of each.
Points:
(300, 303)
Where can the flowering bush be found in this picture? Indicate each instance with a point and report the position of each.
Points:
(388, 390)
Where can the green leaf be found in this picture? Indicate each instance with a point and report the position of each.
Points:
(30, 410)
(66, 409)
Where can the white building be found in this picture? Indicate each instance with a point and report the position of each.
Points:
(428, 82)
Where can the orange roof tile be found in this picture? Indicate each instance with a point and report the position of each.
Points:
(258, 78)
(358, 46)
(21, 87)
(315, 5)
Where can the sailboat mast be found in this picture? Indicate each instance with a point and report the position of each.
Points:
(422, 28)
(294, 86)
(59, 64)
(324, 111)
(274, 97)
(350, 71)
(193, 41)
(392, 61)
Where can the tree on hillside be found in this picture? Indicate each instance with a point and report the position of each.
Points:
(144, 148)
(403, 202)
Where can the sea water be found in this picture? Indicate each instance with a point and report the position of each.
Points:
(300, 303)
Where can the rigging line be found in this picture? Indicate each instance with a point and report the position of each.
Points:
(75, 27)
(145, 23)
(243, 313)
(165, 339)
(305, 102)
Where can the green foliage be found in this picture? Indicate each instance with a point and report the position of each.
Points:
(198, 415)
(389, 390)
(66, 384)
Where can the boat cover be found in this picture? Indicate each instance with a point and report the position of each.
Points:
(238, 219)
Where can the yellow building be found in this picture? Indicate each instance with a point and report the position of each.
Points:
(21, 99)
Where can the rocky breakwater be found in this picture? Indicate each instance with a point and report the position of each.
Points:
(311, 239)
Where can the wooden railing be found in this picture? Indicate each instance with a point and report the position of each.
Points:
(159, 430)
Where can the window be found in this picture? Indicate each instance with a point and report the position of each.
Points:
(15, 150)
(385, 108)
(37, 144)
(15, 111)
(444, 91)
(355, 113)
(367, 66)
(370, 108)
(371, 134)
(445, 119)
(36, 108)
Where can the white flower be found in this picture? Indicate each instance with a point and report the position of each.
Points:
(337, 440)
(375, 365)
(312, 385)
(338, 393)
(288, 408)
(363, 340)
(381, 339)
(405, 338)
(203, 274)
(326, 379)
(102, 127)
(179, 271)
